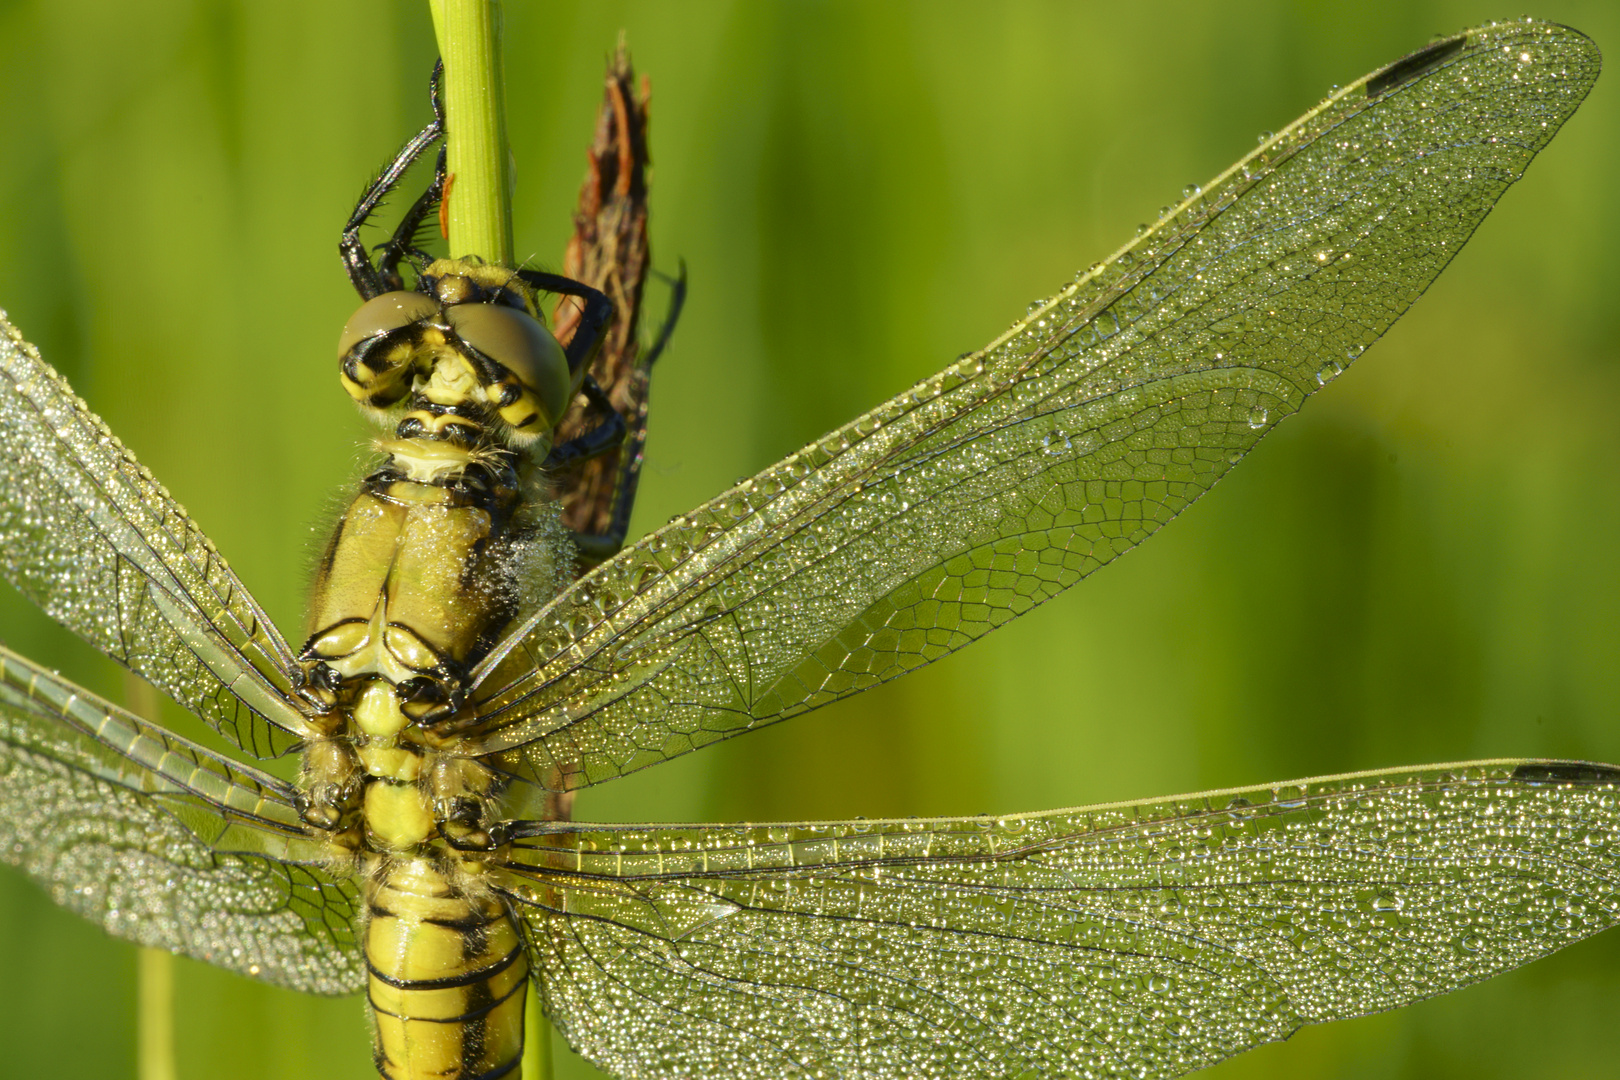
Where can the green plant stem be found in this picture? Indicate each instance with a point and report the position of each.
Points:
(479, 198)
(154, 1024)
(154, 968)
(537, 1038)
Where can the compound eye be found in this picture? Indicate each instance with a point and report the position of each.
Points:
(516, 340)
(384, 313)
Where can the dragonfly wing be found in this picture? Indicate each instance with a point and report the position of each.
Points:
(162, 842)
(988, 489)
(91, 537)
(1144, 940)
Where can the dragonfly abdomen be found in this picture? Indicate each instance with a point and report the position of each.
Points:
(445, 977)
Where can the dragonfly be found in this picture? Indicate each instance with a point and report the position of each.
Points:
(1136, 939)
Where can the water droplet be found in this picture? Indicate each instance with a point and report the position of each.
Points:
(1266, 136)
(1258, 418)
(1289, 798)
(969, 366)
(1191, 191)
(1328, 372)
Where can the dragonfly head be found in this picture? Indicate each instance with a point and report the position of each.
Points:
(468, 354)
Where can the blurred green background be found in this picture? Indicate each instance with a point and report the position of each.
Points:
(1422, 567)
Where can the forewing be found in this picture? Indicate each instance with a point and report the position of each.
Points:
(991, 487)
(1132, 940)
(91, 537)
(163, 843)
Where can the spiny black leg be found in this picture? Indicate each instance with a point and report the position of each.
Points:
(597, 547)
(599, 440)
(367, 279)
(403, 242)
(598, 313)
(624, 499)
(677, 301)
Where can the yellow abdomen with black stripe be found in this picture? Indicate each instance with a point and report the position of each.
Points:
(445, 978)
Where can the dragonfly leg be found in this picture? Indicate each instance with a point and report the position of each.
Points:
(607, 435)
(594, 547)
(677, 301)
(403, 242)
(369, 279)
(598, 313)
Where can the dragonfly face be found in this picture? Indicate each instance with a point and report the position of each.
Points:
(675, 909)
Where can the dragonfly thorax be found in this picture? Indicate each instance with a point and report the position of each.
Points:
(415, 581)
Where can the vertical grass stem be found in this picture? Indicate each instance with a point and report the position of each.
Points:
(479, 195)
(537, 1038)
(154, 1022)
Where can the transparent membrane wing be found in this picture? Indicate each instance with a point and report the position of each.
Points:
(94, 540)
(1131, 940)
(163, 843)
(993, 486)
